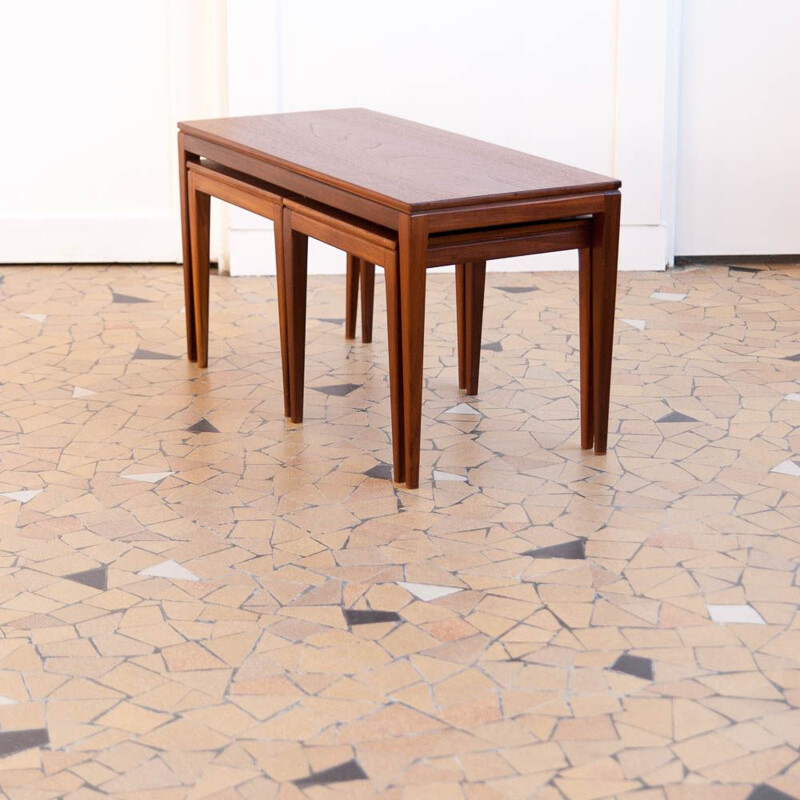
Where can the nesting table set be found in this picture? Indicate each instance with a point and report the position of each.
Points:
(405, 197)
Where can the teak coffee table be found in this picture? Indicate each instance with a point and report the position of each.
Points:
(441, 199)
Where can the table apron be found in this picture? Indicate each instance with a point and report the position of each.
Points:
(513, 213)
(490, 249)
(351, 241)
(257, 201)
(294, 182)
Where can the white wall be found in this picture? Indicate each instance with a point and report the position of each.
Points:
(739, 146)
(90, 91)
(90, 101)
(579, 81)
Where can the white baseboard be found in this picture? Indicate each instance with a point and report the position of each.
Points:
(89, 240)
(642, 247)
(252, 250)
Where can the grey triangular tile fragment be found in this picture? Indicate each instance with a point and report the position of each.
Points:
(332, 320)
(141, 353)
(16, 741)
(495, 347)
(676, 416)
(203, 426)
(518, 289)
(764, 792)
(2, 278)
(369, 616)
(96, 578)
(127, 298)
(637, 666)
(35, 317)
(380, 471)
(349, 771)
(339, 389)
(795, 357)
(575, 548)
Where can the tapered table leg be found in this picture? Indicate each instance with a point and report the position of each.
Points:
(474, 288)
(351, 296)
(412, 244)
(461, 319)
(199, 233)
(295, 276)
(586, 353)
(367, 300)
(394, 335)
(605, 247)
(282, 314)
(188, 290)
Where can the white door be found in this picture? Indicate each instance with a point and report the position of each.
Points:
(739, 148)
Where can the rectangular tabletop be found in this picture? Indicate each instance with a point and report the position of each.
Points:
(401, 164)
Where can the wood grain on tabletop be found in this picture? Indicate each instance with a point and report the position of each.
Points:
(408, 165)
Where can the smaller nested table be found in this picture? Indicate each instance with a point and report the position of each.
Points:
(441, 199)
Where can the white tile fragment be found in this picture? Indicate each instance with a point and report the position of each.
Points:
(730, 614)
(148, 477)
(788, 467)
(440, 476)
(24, 496)
(428, 591)
(671, 297)
(635, 323)
(169, 569)
(463, 409)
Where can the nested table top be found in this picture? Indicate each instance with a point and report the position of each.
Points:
(403, 164)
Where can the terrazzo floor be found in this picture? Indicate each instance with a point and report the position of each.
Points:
(199, 600)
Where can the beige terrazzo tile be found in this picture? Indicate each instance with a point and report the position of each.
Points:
(550, 678)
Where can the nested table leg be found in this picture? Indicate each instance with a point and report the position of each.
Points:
(412, 244)
(359, 271)
(585, 322)
(280, 281)
(295, 276)
(470, 286)
(461, 335)
(605, 247)
(351, 295)
(367, 299)
(395, 337)
(199, 215)
(188, 289)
